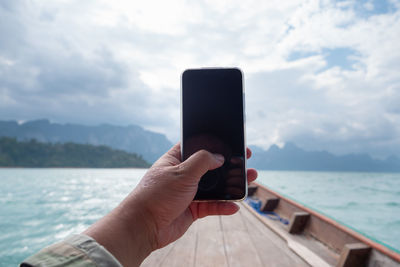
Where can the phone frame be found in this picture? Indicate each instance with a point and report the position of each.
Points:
(244, 130)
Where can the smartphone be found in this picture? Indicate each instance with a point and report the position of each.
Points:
(213, 118)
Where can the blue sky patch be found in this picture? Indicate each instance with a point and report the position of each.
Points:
(296, 55)
(343, 57)
(367, 8)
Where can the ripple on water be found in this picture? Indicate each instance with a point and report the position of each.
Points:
(392, 204)
(352, 204)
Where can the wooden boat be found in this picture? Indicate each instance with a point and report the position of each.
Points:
(272, 230)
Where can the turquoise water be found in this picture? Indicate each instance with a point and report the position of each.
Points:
(41, 206)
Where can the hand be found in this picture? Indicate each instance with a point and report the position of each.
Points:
(160, 209)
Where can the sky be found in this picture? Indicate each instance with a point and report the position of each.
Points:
(324, 75)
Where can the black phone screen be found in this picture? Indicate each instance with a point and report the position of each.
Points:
(213, 119)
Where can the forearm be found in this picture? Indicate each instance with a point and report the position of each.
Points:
(126, 232)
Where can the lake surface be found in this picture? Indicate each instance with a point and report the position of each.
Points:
(41, 206)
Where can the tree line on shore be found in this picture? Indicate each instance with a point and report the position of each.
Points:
(14, 153)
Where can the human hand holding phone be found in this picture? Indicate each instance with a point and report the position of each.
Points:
(160, 209)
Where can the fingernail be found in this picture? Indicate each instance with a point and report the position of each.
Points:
(219, 157)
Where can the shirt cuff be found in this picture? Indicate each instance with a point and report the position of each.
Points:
(76, 250)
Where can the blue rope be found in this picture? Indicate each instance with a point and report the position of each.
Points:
(274, 216)
(256, 205)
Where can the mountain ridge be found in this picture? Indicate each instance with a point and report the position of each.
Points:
(292, 157)
(131, 138)
(151, 145)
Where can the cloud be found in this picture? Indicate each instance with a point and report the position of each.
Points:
(323, 74)
(343, 103)
(48, 68)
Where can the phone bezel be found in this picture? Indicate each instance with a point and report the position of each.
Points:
(244, 128)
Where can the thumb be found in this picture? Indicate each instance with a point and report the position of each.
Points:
(201, 162)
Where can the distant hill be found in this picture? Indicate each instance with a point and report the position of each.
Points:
(31, 153)
(151, 146)
(131, 138)
(291, 157)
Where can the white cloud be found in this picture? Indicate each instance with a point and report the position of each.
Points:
(120, 62)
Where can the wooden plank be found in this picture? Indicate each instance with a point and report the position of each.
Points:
(354, 255)
(210, 243)
(298, 222)
(377, 258)
(330, 234)
(240, 250)
(272, 249)
(157, 257)
(325, 253)
(239, 240)
(271, 204)
(309, 256)
(183, 252)
(251, 190)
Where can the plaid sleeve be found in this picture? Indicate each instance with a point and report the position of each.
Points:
(75, 251)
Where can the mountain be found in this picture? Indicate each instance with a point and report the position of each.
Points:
(291, 157)
(31, 153)
(132, 138)
(151, 146)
